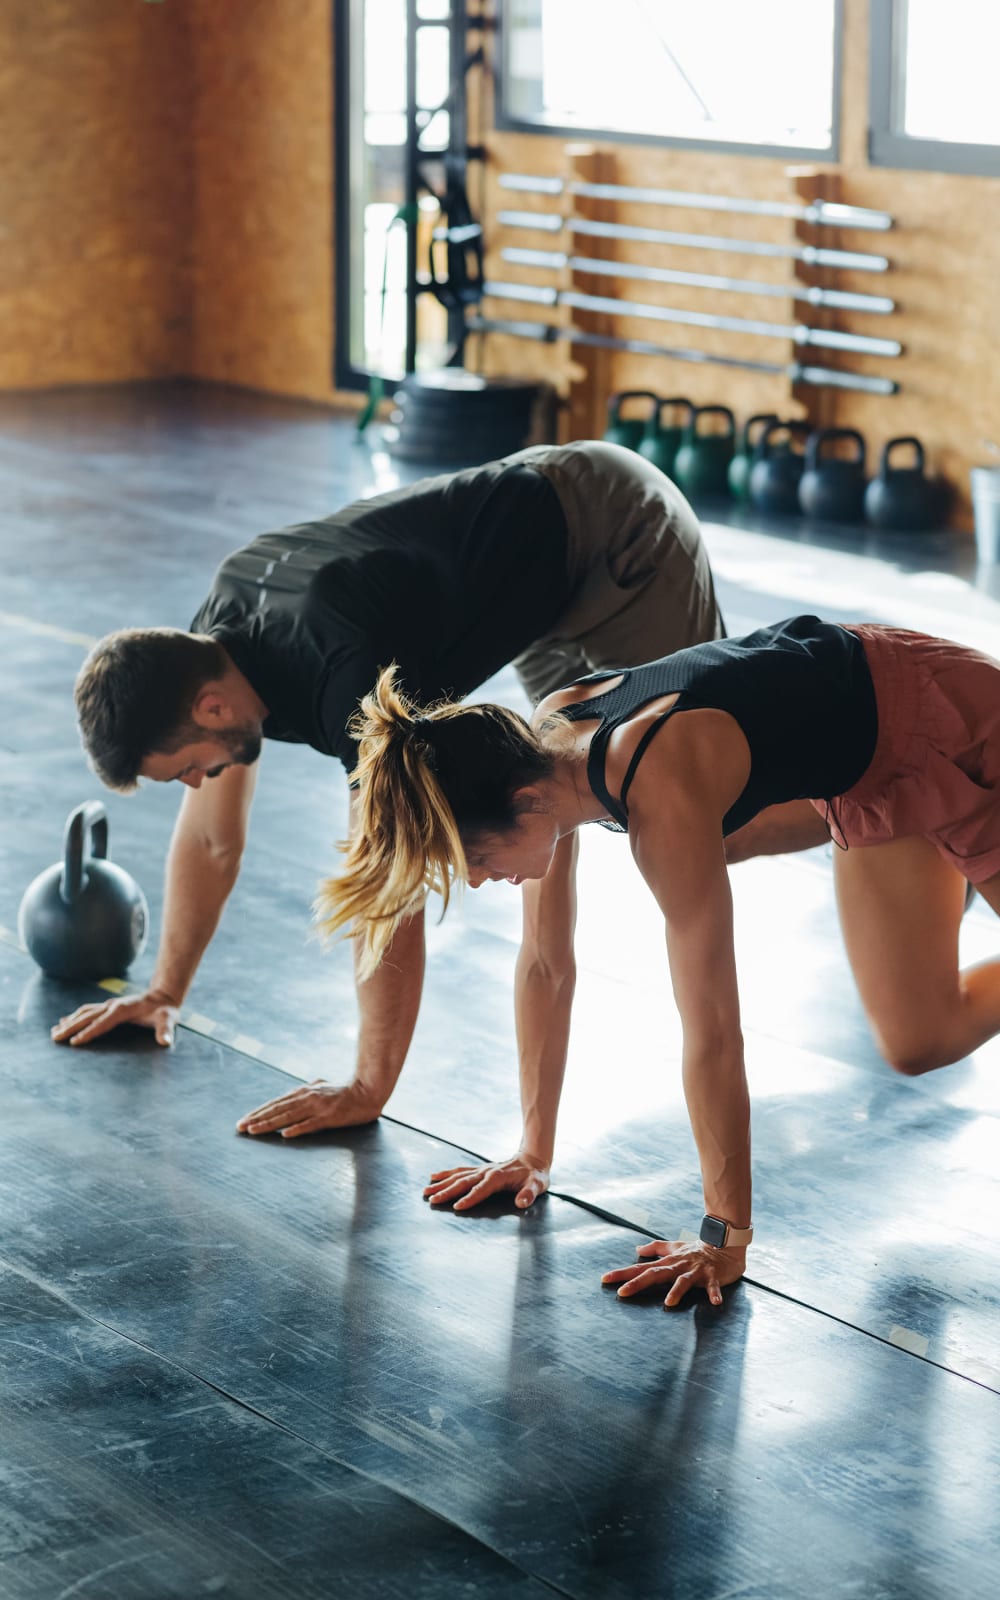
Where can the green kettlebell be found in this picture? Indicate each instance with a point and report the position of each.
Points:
(627, 431)
(84, 917)
(660, 444)
(702, 465)
(739, 467)
(903, 498)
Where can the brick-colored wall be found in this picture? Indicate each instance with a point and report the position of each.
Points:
(95, 191)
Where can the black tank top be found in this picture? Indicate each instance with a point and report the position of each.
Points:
(801, 692)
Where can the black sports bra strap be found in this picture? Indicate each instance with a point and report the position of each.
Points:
(596, 758)
(640, 751)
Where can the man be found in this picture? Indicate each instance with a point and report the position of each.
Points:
(562, 559)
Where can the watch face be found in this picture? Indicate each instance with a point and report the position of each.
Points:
(713, 1231)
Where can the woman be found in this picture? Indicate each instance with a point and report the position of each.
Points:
(892, 738)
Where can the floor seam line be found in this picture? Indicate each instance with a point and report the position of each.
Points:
(606, 1215)
(782, 1294)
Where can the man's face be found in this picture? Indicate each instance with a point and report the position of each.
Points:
(205, 757)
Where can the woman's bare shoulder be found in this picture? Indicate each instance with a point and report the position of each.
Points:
(570, 695)
(696, 766)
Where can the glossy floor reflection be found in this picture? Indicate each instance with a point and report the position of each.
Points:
(874, 1194)
(180, 1289)
(127, 1476)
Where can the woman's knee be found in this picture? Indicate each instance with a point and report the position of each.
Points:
(913, 1055)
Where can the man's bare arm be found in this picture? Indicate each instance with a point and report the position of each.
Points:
(203, 863)
(778, 831)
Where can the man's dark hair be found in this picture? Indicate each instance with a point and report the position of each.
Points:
(134, 695)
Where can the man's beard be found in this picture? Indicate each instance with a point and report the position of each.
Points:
(243, 745)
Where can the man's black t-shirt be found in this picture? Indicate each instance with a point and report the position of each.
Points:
(452, 578)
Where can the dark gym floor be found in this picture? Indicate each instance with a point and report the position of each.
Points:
(268, 1369)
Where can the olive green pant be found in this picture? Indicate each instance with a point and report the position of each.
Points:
(640, 583)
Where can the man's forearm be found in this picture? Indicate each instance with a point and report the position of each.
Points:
(778, 830)
(388, 1004)
(199, 881)
(543, 1002)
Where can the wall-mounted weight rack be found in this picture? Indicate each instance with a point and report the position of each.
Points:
(571, 275)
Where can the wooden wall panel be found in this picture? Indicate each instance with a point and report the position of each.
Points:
(95, 191)
(264, 194)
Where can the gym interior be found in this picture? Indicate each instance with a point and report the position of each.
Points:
(265, 258)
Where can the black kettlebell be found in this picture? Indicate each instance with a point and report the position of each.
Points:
(628, 431)
(702, 465)
(776, 470)
(84, 917)
(833, 487)
(739, 467)
(903, 497)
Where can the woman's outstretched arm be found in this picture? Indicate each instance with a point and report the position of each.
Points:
(677, 842)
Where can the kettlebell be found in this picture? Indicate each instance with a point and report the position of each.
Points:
(833, 488)
(903, 497)
(659, 443)
(702, 464)
(84, 917)
(739, 467)
(627, 430)
(777, 468)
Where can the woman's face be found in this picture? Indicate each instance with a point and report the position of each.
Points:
(524, 851)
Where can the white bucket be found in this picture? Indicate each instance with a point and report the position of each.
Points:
(986, 509)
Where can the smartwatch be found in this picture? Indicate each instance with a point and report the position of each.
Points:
(717, 1232)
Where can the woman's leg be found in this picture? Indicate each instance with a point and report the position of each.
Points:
(901, 908)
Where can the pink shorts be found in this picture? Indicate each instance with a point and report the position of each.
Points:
(936, 767)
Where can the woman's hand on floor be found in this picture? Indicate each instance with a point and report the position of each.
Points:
(683, 1266)
(467, 1186)
(312, 1108)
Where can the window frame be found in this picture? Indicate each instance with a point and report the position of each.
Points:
(346, 375)
(508, 123)
(887, 147)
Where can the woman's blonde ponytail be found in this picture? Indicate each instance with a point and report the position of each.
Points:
(404, 840)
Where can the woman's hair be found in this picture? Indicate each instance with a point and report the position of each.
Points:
(134, 695)
(424, 777)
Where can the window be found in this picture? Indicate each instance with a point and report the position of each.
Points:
(393, 65)
(934, 101)
(758, 77)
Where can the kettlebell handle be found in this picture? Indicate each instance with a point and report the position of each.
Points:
(794, 427)
(814, 449)
(894, 444)
(616, 402)
(675, 400)
(712, 411)
(86, 837)
(752, 422)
